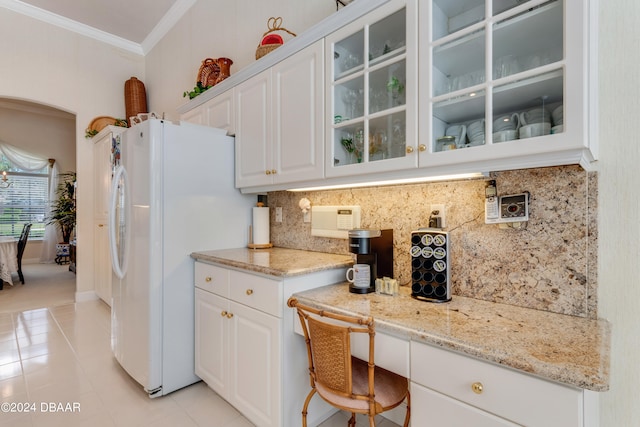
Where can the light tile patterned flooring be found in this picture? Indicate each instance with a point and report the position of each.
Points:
(61, 355)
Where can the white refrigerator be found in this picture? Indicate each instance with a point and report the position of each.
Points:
(172, 195)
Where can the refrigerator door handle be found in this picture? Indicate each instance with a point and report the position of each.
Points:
(115, 223)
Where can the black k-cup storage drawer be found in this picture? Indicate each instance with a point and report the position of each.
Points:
(430, 265)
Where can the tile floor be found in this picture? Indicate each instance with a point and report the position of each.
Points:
(61, 356)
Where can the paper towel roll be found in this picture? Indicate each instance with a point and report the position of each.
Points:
(260, 226)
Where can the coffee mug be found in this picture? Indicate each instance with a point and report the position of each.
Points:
(505, 135)
(536, 129)
(535, 115)
(360, 275)
(558, 115)
(475, 132)
(507, 122)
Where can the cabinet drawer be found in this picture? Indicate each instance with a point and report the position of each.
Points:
(506, 393)
(390, 352)
(257, 292)
(432, 408)
(212, 279)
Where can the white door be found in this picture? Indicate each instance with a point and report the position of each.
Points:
(211, 341)
(255, 383)
(135, 345)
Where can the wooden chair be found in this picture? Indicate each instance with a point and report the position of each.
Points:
(22, 242)
(342, 380)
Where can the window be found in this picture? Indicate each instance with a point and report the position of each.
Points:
(24, 201)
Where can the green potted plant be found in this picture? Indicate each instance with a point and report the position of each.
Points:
(63, 209)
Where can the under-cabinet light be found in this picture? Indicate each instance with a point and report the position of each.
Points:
(417, 180)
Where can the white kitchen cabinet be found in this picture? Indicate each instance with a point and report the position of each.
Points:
(371, 68)
(484, 64)
(246, 349)
(237, 345)
(106, 155)
(451, 389)
(217, 112)
(279, 128)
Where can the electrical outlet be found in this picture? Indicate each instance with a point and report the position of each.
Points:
(441, 213)
(278, 214)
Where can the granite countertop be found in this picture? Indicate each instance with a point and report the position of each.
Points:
(279, 262)
(567, 349)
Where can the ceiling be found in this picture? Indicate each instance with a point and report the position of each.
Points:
(135, 25)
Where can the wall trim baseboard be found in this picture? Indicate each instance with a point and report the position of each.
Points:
(86, 296)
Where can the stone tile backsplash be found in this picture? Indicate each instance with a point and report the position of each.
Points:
(549, 265)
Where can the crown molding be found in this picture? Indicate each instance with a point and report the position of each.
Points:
(166, 23)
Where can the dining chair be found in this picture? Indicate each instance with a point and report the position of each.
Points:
(22, 242)
(344, 381)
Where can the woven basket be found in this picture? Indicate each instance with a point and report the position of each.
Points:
(209, 72)
(273, 25)
(135, 98)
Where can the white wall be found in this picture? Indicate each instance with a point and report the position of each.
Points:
(48, 65)
(213, 29)
(619, 205)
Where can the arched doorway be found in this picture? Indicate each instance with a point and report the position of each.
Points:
(45, 132)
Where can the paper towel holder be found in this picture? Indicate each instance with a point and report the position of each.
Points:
(252, 245)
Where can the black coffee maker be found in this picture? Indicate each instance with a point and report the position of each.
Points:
(375, 248)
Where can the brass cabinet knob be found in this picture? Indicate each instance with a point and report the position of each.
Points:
(208, 279)
(409, 149)
(477, 388)
(229, 315)
(100, 225)
(422, 147)
(249, 291)
(223, 313)
(268, 172)
(273, 171)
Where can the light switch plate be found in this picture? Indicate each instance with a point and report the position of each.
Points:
(334, 221)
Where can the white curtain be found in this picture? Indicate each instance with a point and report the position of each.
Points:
(51, 234)
(30, 163)
(25, 161)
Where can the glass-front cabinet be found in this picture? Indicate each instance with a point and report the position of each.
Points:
(503, 79)
(371, 98)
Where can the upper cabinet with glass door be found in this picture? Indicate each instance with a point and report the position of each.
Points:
(505, 83)
(371, 94)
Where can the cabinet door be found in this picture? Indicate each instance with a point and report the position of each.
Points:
(371, 93)
(211, 340)
(298, 101)
(102, 261)
(218, 112)
(255, 351)
(195, 116)
(253, 131)
(504, 84)
(102, 175)
(431, 408)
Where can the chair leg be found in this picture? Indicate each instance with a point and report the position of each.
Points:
(20, 275)
(407, 417)
(306, 405)
(352, 420)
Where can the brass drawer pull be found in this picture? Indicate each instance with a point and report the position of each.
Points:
(223, 313)
(249, 291)
(477, 388)
(409, 149)
(422, 147)
(208, 279)
(229, 315)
